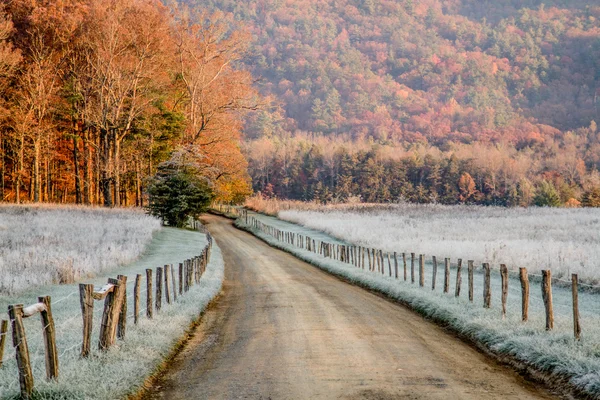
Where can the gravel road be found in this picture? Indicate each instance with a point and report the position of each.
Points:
(283, 329)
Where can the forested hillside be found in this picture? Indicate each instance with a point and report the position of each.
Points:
(413, 88)
(95, 94)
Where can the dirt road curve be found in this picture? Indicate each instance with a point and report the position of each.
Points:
(285, 330)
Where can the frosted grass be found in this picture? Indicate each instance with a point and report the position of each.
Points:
(555, 352)
(563, 240)
(123, 369)
(45, 244)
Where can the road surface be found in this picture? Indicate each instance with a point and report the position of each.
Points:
(284, 329)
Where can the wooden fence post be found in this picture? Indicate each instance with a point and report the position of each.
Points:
(524, 294)
(396, 264)
(547, 296)
(470, 278)
(446, 275)
(434, 273)
(389, 264)
(136, 298)
(3, 335)
(576, 325)
(122, 327)
(110, 317)
(15, 313)
(172, 273)
(86, 300)
(159, 279)
(168, 283)
(404, 262)
(180, 279)
(487, 291)
(49, 338)
(421, 270)
(412, 267)
(149, 290)
(458, 278)
(504, 276)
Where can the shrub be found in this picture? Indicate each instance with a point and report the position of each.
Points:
(177, 192)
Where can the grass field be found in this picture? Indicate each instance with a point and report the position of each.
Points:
(44, 244)
(563, 240)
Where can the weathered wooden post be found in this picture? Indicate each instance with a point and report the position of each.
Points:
(159, 279)
(504, 276)
(412, 267)
(404, 262)
(421, 270)
(15, 313)
(487, 291)
(122, 327)
(136, 298)
(49, 338)
(86, 300)
(3, 335)
(180, 279)
(167, 269)
(470, 274)
(149, 290)
(110, 316)
(547, 296)
(575, 290)
(446, 275)
(396, 264)
(172, 273)
(434, 273)
(524, 294)
(458, 278)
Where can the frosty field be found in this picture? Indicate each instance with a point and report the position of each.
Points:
(40, 245)
(563, 240)
(121, 370)
(528, 345)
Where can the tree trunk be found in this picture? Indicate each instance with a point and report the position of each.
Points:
(76, 169)
(87, 159)
(36, 170)
(105, 164)
(116, 168)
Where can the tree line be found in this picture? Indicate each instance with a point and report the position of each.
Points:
(335, 170)
(95, 94)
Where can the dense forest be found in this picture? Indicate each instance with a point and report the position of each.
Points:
(424, 100)
(95, 94)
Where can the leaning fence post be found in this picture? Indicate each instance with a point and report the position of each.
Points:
(49, 338)
(547, 296)
(110, 317)
(149, 302)
(504, 276)
(122, 327)
(86, 299)
(15, 313)
(3, 335)
(470, 279)
(576, 325)
(458, 278)
(434, 273)
(524, 294)
(136, 298)
(446, 275)
(487, 292)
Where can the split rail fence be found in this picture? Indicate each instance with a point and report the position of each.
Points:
(410, 265)
(168, 284)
